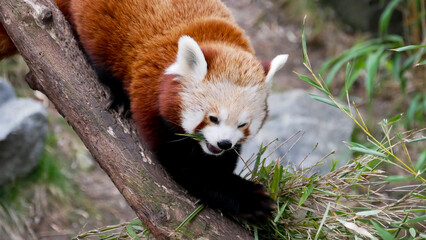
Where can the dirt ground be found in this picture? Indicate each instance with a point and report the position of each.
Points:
(272, 32)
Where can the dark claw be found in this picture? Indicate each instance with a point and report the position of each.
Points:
(121, 107)
(258, 206)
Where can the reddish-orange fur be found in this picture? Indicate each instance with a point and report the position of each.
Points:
(136, 41)
(138, 45)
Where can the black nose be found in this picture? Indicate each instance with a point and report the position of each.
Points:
(224, 144)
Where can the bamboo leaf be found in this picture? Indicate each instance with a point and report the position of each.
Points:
(281, 212)
(195, 136)
(311, 82)
(305, 52)
(326, 101)
(357, 229)
(348, 75)
(369, 213)
(385, 17)
(256, 233)
(395, 119)
(421, 63)
(382, 232)
(257, 162)
(353, 54)
(399, 178)
(306, 192)
(417, 139)
(408, 47)
(275, 181)
(417, 195)
(412, 232)
(421, 161)
(368, 151)
(417, 219)
(372, 67)
(132, 233)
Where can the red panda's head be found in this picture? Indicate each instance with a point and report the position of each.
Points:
(223, 92)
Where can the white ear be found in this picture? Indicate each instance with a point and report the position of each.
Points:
(276, 64)
(190, 61)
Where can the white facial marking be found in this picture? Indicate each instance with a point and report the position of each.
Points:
(223, 115)
(243, 118)
(216, 133)
(276, 64)
(190, 61)
(191, 119)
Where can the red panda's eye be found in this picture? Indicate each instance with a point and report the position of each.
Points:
(242, 125)
(214, 119)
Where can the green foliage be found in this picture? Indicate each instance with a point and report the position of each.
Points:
(384, 58)
(134, 230)
(195, 136)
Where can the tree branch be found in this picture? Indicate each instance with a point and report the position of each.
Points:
(61, 72)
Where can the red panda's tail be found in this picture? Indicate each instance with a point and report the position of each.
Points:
(6, 45)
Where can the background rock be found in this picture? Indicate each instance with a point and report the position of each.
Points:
(364, 15)
(6, 91)
(320, 126)
(23, 128)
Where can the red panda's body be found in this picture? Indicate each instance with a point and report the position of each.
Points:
(208, 83)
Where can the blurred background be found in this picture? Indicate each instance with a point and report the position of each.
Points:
(55, 190)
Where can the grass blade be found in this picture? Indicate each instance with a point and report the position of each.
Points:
(190, 217)
(382, 232)
(417, 219)
(274, 188)
(306, 192)
(322, 221)
(281, 212)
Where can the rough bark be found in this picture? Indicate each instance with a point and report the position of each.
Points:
(59, 70)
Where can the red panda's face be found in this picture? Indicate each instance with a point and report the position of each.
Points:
(224, 113)
(223, 93)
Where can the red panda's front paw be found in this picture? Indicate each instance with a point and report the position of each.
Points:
(257, 208)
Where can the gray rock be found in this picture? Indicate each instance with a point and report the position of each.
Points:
(23, 128)
(364, 15)
(6, 91)
(294, 115)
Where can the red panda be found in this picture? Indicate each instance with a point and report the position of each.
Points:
(186, 67)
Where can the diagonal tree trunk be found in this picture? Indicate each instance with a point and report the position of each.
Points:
(61, 72)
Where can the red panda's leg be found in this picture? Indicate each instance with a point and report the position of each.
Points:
(119, 99)
(211, 178)
(6, 45)
(232, 194)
